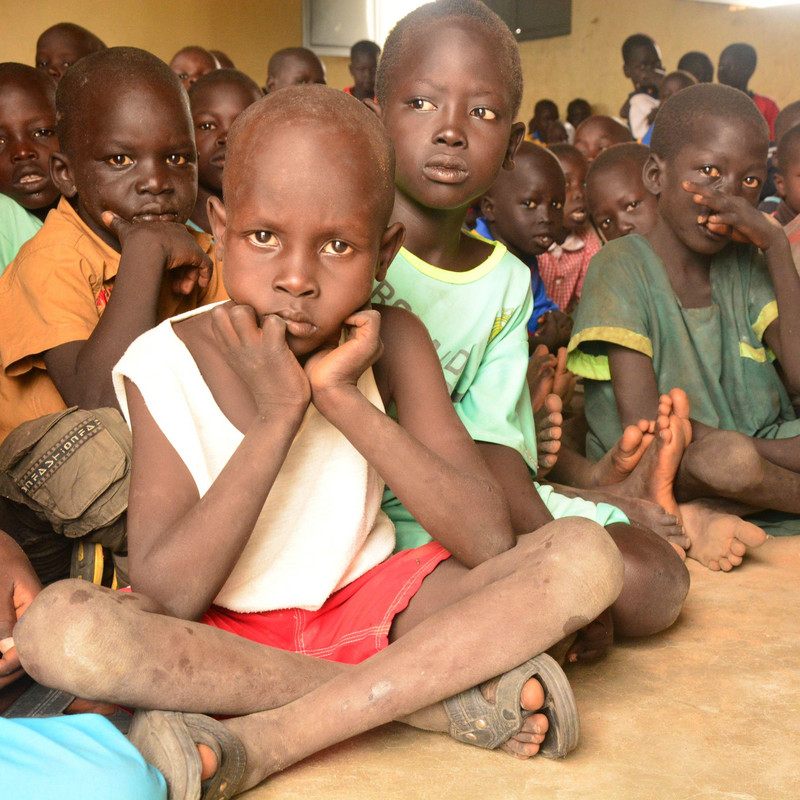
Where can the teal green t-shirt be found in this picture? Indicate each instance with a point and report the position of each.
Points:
(17, 225)
(478, 322)
(715, 354)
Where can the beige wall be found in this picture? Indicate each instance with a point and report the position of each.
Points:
(587, 63)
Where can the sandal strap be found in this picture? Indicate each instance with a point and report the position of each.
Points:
(476, 721)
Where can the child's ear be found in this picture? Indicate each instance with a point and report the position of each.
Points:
(780, 186)
(270, 85)
(653, 174)
(626, 72)
(514, 141)
(487, 207)
(61, 174)
(391, 241)
(218, 218)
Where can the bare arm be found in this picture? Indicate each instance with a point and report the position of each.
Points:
(428, 459)
(747, 224)
(183, 547)
(81, 370)
(633, 380)
(508, 468)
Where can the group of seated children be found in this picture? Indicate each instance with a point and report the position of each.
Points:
(211, 277)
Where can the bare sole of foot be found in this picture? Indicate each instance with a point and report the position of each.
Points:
(654, 476)
(541, 373)
(625, 455)
(719, 540)
(548, 433)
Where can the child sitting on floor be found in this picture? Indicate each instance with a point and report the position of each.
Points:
(260, 451)
(293, 66)
(216, 100)
(641, 64)
(598, 133)
(27, 137)
(473, 296)
(62, 45)
(694, 304)
(563, 267)
(191, 63)
(524, 209)
(363, 65)
(111, 260)
(619, 203)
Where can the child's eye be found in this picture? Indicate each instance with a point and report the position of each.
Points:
(337, 247)
(632, 205)
(751, 182)
(709, 171)
(177, 160)
(418, 104)
(483, 113)
(556, 204)
(41, 64)
(263, 239)
(605, 224)
(44, 133)
(120, 160)
(529, 203)
(206, 126)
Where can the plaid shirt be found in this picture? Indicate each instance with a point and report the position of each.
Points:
(563, 267)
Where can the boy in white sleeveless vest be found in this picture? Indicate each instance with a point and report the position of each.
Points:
(261, 448)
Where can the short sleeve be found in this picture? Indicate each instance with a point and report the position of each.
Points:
(497, 406)
(49, 296)
(762, 305)
(613, 310)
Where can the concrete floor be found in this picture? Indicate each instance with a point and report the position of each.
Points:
(709, 710)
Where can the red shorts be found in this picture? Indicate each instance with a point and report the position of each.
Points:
(354, 622)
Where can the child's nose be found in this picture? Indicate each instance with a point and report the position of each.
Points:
(22, 150)
(154, 180)
(294, 276)
(450, 131)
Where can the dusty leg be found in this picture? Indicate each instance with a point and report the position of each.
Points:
(548, 434)
(508, 609)
(728, 464)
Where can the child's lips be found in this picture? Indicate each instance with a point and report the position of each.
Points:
(578, 215)
(297, 323)
(154, 215)
(446, 169)
(29, 180)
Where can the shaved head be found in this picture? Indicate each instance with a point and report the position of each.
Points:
(351, 124)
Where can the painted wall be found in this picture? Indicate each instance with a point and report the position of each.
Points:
(587, 63)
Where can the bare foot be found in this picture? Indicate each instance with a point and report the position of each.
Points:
(654, 477)
(525, 743)
(548, 434)
(644, 513)
(541, 372)
(593, 641)
(624, 456)
(719, 540)
(564, 381)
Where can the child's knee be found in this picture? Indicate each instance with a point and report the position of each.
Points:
(727, 460)
(65, 618)
(586, 559)
(656, 582)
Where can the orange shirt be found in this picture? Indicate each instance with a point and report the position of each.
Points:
(54, 292)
